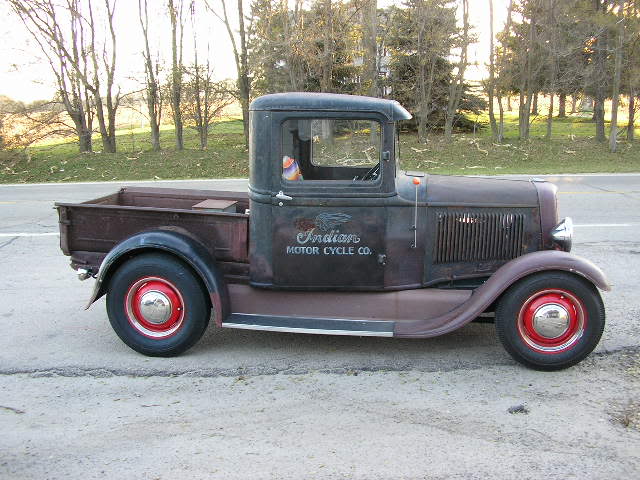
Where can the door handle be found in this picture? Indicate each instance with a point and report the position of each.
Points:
(282, 196)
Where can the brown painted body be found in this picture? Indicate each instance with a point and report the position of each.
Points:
(401, 294)
(396, 253)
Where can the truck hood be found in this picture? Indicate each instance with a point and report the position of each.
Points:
(468, 191)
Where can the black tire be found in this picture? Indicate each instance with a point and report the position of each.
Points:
(520, 334)
(188, 306)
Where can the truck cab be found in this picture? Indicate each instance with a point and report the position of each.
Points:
(319, 194)
(332, 209)
(333, 237)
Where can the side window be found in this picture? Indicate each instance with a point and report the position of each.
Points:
(325, 149)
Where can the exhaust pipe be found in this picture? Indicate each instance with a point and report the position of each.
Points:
(83, 273)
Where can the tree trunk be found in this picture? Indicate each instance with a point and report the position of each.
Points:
(102, 124)
(632, 112)
(500, 137)
(84, 138)
(550, 117)
(106, 123)
(574, 103)
(83, 132)
(492, 82)
(370, 44)
(327, 48)
(551, 23)
(509, 106)
(242, 66)
(426, 89)
(598, 117)
(600, 93)
(457, 85)
(562, 105)
(617, 76)
(526, 93)
(152, 90)
(204, 137)
(176, 72)
(245, 84)
(534, 107)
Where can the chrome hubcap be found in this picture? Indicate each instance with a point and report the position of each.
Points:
(155, 307)
(551, 320)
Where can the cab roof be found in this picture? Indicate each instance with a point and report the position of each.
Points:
(307, 101)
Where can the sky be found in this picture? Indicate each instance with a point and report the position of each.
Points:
(25, 75)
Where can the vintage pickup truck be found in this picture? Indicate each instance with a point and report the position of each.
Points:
(332, 238)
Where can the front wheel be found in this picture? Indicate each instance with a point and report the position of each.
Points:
(550, 321)
(157, 305)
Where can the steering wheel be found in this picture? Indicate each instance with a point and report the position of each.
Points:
(371, 174)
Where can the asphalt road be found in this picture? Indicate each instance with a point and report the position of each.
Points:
(77, 403)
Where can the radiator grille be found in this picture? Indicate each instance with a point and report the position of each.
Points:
(466, 236)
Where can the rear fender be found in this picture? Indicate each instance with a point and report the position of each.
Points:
(189, 250)
(501, 280)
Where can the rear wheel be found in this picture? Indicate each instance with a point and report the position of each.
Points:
(157, 305)
(550, 321)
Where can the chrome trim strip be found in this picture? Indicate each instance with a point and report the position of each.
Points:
(317, 331)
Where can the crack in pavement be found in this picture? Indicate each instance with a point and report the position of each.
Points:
(255, 371)
(9, 242)
(625, 194)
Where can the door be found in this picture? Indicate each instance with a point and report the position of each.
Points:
(329, 218)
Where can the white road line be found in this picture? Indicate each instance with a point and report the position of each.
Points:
(25, 234)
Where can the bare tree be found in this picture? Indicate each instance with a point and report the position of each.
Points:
(370, 44)
(293, 43)
(153, 97)
(241, 57)
(500, 89)
(562, 104)
(327, 47)
(431, 44)
(617, 75)
(633, 65)
(598, 77)
(553, 59)
(76, 49)
(23, 125)
(177, 36)
(105, 67)
(491, 87)
(526, 73)
(457, 84)
(67, 58)
(204, 99)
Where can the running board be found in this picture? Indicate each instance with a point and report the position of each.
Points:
(321, 326)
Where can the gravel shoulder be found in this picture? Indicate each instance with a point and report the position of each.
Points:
(360, 425)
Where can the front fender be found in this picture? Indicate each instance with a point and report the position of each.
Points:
(501, 280)
(189, 250)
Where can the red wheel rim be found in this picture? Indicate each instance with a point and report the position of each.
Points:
(154, 307)
(552, 321)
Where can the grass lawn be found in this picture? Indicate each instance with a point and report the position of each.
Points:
(572, 150)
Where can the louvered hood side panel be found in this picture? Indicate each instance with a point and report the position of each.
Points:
(473, 242)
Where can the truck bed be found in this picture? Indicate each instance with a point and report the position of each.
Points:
(89, 230)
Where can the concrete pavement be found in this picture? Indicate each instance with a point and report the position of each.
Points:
(245, 404)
